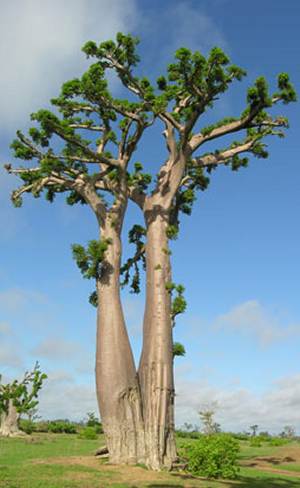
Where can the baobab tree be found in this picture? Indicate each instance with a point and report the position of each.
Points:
(137, 404)
(17, 398)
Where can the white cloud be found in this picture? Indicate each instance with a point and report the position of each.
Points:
(194, 28)
(58, 348)
(78, 399)
(179, 24)
(40, 47)
(254, 319)
(239, 408)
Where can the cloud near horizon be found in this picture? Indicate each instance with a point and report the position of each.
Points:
(238, 408)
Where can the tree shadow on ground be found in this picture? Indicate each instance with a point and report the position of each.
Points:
(240, 482)
(266, 482)
(159, 485)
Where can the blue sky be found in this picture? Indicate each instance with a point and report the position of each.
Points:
(238, 255)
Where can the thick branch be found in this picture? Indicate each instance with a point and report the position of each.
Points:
(222, 157)
(242, 123)
(97, 128)
(170, 139)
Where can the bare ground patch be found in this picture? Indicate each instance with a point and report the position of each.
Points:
(285, 456)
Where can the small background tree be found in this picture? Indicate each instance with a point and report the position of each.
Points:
(207, 417)
(18, 398)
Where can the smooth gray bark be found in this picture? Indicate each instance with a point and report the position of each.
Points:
(117, 383)
(156, 365)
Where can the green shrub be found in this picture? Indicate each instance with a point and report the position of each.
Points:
(42, 426)
(62, 427)
(93, 421)
(88, 433)
(255, 441)
(213, 456)
(241, 436)
(27, 426)
(278, 441)
(188, 435)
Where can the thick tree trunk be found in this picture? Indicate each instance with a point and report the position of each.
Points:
(9, 422)
(117, 383)
(156, 365)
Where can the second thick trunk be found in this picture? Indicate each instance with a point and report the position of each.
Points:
(117, 382)
(156, 365)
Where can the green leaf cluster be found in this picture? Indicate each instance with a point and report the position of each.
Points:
(130, 270)
(179, 304)
(178, 349)
(22, 393)
(138, 179)
(89, 259)
(287, 92)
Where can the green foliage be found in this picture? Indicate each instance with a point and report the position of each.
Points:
(93, 421)
(213, 456)
(93, 298)
(138, 179)
(278, 441)
(258, 95)
(58, 426)
(191, 86)
(27, 426)
(178, 349)
(88, 433)
(89, 260)
(287, 92)
(61, 427)
(136, 236)
(178, 302)
(255, 441)
(172, 231)
(184, 434)
(23, 393)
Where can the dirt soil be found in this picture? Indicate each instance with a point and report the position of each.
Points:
(268, 463)
(134, 474)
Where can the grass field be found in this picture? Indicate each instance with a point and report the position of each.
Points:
(65, 461)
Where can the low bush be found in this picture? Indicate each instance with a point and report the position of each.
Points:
(27, 426)
(93, 421)
(62, 427)
(213, 456)
(88, 433)
(58, 427)
(255, 441)
(279, 441)
(41, 426)
(188, 435)
(241, 436)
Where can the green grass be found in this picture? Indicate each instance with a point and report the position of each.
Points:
(38, 462)
(289, 467)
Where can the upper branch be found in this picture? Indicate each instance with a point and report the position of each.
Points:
(222, 157)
